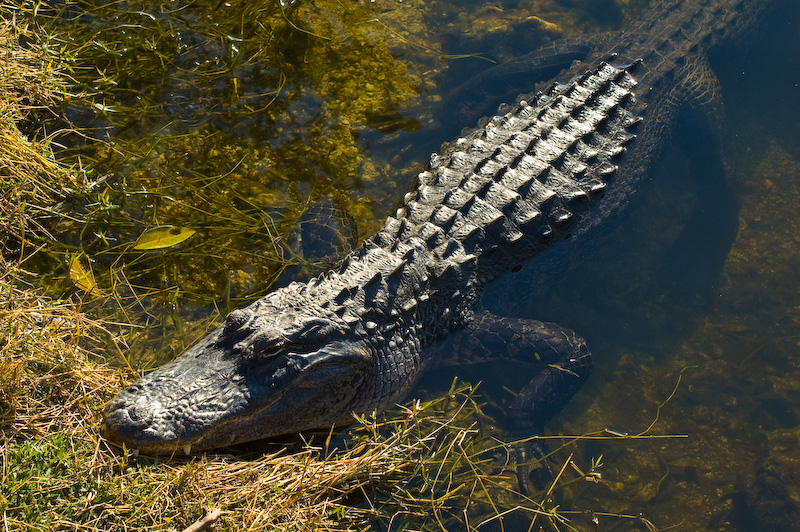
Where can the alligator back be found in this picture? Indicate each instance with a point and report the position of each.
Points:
(554, 169)
(549, 179)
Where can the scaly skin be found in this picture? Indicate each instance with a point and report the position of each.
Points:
(545, 182)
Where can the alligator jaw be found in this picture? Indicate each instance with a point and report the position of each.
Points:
(212, 396)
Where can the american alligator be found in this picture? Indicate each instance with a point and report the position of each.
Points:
(542, 184)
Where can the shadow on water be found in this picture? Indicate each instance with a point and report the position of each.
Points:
(234, 120)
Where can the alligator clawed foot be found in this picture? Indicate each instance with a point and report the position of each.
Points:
(527, 458)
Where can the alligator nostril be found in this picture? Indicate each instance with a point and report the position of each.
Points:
(137, 413)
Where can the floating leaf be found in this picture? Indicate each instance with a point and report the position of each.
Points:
(162, 237)
(81, 276)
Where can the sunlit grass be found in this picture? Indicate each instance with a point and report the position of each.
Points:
(428, 463)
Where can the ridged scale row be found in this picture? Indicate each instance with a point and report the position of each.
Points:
(508, 186)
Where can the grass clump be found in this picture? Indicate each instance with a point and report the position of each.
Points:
(31, 182)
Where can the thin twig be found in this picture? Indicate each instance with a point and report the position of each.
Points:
(204, 522)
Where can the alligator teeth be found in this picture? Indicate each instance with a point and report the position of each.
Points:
(135, 452)
(187, 448)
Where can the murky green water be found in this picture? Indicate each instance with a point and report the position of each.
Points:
(232, 118)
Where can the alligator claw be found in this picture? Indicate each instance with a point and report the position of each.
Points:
(529, 459)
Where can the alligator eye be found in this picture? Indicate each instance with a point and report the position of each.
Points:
(266, 345)
(234, 321)
(139, 415)
(313, 331)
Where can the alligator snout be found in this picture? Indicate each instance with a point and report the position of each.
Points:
(138, 414)
(121, 421)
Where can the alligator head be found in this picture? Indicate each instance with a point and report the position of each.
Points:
(278, 367)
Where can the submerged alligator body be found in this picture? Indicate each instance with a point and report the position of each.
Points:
(543, 183)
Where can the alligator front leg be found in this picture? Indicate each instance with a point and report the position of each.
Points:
(563, 361)
(540, 400)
